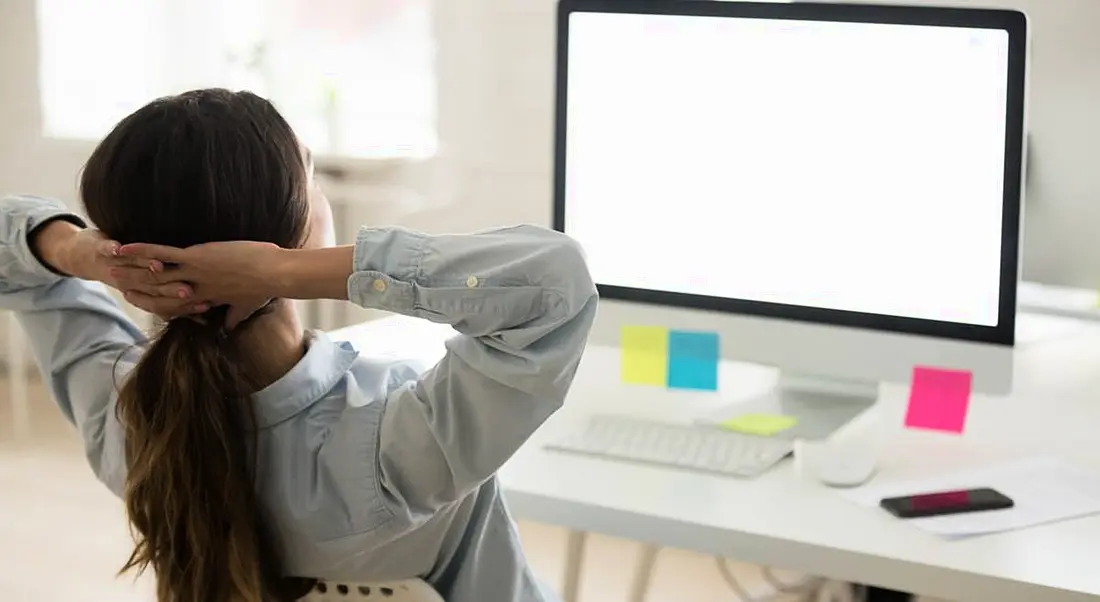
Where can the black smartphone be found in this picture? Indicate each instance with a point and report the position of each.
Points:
(946, 502)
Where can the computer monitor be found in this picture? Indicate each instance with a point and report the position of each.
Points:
(835, 189)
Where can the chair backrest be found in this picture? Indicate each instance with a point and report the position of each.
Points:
(410, 590)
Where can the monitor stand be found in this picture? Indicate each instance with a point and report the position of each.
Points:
(821, 406)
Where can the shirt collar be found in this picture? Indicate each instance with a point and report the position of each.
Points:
(320, 369)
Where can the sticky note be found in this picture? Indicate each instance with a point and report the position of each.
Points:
(939, 399)
(764, 425)
(645, 355)
(693, 360)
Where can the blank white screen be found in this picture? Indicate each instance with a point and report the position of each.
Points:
(836, 165)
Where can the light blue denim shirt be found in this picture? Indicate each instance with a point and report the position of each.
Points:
(371, 470)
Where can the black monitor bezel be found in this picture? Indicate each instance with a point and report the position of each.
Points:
(1013, 22)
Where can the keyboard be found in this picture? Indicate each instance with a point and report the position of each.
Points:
(689, 447)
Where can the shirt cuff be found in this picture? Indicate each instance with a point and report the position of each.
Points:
(386, 268)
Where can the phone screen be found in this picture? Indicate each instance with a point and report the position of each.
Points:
(939, 501)
(946, 502)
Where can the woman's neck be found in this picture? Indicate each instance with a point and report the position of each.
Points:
(276, 342)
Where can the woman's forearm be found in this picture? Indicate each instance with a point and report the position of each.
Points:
(315, 273)
(50, 244)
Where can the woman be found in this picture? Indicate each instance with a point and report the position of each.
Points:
(253, 454)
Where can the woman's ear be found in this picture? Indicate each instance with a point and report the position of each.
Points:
(320, 230)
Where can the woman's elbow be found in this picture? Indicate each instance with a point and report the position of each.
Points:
(573, 265)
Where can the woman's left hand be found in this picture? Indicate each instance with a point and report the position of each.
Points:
(89, 255)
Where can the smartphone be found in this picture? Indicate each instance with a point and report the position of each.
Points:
(946, 502)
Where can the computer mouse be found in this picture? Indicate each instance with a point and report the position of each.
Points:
(846, 470)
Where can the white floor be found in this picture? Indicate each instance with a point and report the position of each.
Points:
(63, 537)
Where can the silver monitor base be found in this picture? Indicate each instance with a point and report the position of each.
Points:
(821, 406)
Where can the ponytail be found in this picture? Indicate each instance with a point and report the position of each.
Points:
(190, 487)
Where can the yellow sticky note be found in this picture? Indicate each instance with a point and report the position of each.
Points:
(645, 355)
(764, 425)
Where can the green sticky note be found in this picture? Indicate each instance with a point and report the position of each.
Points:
(764, 425)
(645, 355)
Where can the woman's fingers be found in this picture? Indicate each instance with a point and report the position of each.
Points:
(135, 278)
(131, 261)
(159, 253)
(108, 248)
(127, 277)
(175, 290)
(166, 307)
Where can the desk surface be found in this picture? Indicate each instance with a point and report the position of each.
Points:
(785, 520)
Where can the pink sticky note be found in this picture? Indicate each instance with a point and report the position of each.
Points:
(938, 399)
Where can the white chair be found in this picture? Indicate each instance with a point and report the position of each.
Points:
(410, 590)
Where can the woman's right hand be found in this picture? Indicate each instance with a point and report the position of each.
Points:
(242, 275)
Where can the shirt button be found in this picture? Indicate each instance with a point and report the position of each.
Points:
(471, 282)
(380, 286)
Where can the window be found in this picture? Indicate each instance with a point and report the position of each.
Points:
(355, 78)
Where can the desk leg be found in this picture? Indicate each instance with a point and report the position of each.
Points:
(574, 561)
(17, 380)
(642, 572)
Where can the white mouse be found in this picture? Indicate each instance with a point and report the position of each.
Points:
(845, 470)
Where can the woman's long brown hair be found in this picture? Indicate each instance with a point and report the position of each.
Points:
(205, 166)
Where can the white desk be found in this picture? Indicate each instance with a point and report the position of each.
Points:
(786, 521)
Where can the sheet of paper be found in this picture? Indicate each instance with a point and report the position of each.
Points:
(693, 360)
(938, 399)
(1045, 490)
(764, 425)
(645, 355)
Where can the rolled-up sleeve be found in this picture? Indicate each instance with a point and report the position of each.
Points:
(523, 301)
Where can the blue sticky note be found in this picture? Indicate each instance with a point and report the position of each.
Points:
(693, 360)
